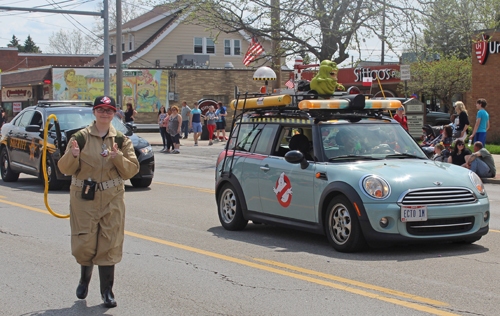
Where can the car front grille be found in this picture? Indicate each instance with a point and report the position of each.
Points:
(443, 226)
(437, 196)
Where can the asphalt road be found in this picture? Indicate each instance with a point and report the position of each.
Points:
(178, 260)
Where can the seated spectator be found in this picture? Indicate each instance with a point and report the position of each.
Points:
(458, 154)
(447, 136)
(441, 154)
(481, 162)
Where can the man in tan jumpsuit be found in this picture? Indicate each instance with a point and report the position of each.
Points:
(97, 226)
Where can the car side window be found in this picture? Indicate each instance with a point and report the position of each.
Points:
(266, 140)
(26, 119)
(17, 119)
(37, 119)
(286, 134)
(246, 138)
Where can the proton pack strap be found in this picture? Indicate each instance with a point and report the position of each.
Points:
(80, 139)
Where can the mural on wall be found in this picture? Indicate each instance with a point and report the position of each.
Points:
(146, 89)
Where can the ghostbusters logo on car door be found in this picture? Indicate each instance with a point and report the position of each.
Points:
(283, 190)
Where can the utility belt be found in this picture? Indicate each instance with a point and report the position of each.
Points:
(98, 186)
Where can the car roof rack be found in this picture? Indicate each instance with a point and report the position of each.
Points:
(53, 103)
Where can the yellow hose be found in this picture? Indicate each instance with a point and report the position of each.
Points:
(44, 166)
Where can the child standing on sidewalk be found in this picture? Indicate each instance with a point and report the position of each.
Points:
(211, 117)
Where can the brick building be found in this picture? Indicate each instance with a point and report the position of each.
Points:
(485, 80)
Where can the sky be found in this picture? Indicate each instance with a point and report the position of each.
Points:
(42, 25)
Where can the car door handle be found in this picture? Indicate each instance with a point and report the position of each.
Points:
(265, 168)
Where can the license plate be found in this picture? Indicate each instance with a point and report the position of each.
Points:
(415, 213)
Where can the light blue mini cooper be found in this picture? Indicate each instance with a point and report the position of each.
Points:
(338, 167)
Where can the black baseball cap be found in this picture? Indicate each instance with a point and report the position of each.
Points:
(104, 101)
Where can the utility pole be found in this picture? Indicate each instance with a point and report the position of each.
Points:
(275, 46)
(119, 61)
(102, 14)
(382, 57)
(105, 13)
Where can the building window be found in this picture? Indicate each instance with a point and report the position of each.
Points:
(131, 42)
(204, 45)
(111, 46)
(198, 45)
(123, 43)
(232, 47)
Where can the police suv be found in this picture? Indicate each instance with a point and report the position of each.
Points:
(339, 167)
(21, 142)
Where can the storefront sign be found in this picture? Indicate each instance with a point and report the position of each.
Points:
(17, 94)
(17, 106)
(382, 74)
(485, 47)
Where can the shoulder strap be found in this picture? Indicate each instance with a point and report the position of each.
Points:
(119, 139)
(80, 139)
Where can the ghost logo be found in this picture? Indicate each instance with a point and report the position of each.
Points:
(283, 190)
(482, 49)
(106, 100)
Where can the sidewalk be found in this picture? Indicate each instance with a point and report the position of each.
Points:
(155, 140)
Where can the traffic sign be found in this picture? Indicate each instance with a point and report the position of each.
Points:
(405, 72)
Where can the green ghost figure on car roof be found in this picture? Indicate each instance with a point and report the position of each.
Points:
(325, 82)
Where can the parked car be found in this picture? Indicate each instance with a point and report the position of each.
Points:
(437, 118)
(21, 142)
(338, 167)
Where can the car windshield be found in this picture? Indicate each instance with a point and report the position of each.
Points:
(365, 141)
(80, 118)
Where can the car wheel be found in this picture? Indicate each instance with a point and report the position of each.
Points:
(342, 226)
(7, 174)
(54, 184)
(230, 214)
(141, 183)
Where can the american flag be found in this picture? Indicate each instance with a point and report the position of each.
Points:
(254, 50)
(290, 84)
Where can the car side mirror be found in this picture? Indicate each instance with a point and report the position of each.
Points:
(33, 128)
(295, 157)
(132, 127)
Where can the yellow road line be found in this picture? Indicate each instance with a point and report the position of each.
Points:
(395, 301)
(352, 282)
(298, 276)
(496, 231)
(186, 186)
(2, 197)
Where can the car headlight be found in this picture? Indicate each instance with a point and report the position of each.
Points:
(376, 187)
(477, 182)
(146, 150)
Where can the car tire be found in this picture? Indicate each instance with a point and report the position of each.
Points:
(141, 183)
(229, 209)
(7, 174)
(54, 184)
(342, 226)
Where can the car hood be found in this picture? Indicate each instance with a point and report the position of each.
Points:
(138, 142)
(405, 174)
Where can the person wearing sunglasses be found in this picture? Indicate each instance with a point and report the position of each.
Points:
(458, 154)
(98, 166)
(401, 117)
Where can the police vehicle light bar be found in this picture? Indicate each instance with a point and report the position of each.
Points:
(342, 104)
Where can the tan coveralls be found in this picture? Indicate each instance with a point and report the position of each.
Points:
(97, 227)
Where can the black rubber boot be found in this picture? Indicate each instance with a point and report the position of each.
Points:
(83, 286)
(107, 276)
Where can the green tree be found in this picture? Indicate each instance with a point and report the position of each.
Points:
(449, 27)
(30, 46)
(14, 41)
(443, 79)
